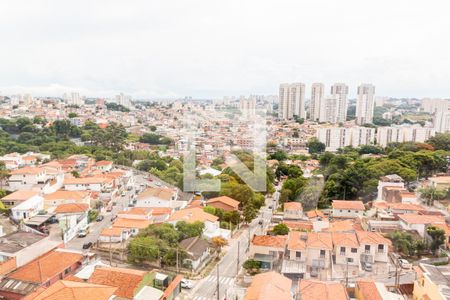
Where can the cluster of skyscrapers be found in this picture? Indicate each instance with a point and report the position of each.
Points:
(325, 108)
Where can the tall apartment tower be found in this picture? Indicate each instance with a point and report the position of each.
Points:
(74, 99)
(340, 92)
(285, 107)
(316, 105)
(291, 101)
(365, 104)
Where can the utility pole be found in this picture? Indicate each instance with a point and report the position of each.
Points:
(110, 252)
(346, 275)
(238, 253)
(177, 260)
(217, 288)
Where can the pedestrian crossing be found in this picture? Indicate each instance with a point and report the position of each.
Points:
(223, 280)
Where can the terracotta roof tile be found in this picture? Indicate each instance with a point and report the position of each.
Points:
(70, 290)
(345, 239)
(126, 280)
(319, 240)
(348, 204)
(322, 290)
(293, 206)
(224, 199)
(269, 286)
(72, 208)
(373, 238)
(47, 266)
(277, 241)
(368, 289)
(297, 240)
(194, 214)
(131, 223)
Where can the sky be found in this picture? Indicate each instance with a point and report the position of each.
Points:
(212, 48)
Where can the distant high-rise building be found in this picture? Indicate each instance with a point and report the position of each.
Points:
(73, 99)
(328, 111)
(365, 104)
(340, 92)
(123, 100)
(248, 106)
(440, 109)
(291, 101)
(317, 105)
(339, 137)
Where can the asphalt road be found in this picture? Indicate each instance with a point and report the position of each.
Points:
(229, 265)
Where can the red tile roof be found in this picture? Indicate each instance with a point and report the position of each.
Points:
(47, 266)
(277, 241)
(348, 204)
(126, 280)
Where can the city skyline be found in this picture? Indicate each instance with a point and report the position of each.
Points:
(215, 51)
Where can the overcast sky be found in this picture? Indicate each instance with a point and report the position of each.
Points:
(212, 48)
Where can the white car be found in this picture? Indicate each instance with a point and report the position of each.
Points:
(404, 264)
(186, 284)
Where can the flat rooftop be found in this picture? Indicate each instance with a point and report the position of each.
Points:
(16, 241)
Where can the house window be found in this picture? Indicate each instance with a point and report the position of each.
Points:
(367, 248)
(298, 254)
(340, 210)
(322, 253)
(349, 210)
(354, 250)
(342, 250)
(67, 271)
(349, 259)
(381, 248)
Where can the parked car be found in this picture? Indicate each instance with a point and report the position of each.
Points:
(186, 284)
(99, 218)
(87, 245)
(404, 263)
(368, 266)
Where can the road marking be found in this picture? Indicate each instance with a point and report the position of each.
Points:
(223, 280)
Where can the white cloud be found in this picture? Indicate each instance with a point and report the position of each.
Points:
(210, 48)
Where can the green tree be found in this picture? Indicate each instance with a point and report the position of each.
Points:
(429, 194)
(437, 237)
(280, 229)
(441, 141)
(143, 249)
(315, 146)
(187, 230)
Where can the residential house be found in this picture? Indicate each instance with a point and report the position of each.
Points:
(198, 252)
(432, 283)
(392, 180)
(18, 197)
(27, 208)
(419, 222)
(104, 165)
(93, 183)
(322, 290)
(373, 247)
(295, 259)
(114, 235)
(269, 250)
(41, 272)
(138, 213)
(269, 285)
(20, 247)
(440, 182)
(27, 177)
(72, 217)
(292, 211)
(347, 209)
(159, 197)
(196, 214)
(346, 248)
(367, 289)
(73, 290)
(133, 225)
(224, 202)
(128, 281)
(64, 197)
(319, 247)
